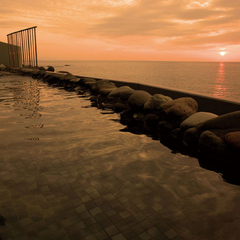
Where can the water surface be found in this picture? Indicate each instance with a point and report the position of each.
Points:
(67, 168)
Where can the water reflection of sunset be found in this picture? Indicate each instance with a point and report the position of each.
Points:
(220, 88)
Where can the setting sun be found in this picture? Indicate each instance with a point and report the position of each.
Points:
(222, 53)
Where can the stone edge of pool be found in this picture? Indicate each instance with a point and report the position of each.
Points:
(199, 126)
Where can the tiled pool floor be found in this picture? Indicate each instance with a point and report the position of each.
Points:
(67, 172)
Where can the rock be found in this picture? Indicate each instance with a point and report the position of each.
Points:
(87, 82)
(176, 134)
(26, 71)
(151, 120)
(226, 121)
(126, 117)
(138, 117)
(52, 78)
(119, 107)
(137, 100)
(190, 138)
(165, 128)
(50, 68)
(195, 119)
(179, 109)
(232, 139)
(105, 91)
(42, 68)
(212, 145)
(154, 103)
(67, 76)
(123, 93)
(2, 67)
(102, 84)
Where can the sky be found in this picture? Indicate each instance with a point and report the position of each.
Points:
(142, 30)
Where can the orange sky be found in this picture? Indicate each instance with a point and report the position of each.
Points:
(148, 30)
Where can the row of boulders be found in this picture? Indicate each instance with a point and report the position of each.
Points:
(176, 122)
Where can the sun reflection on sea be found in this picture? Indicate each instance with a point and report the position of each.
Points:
(220, 89)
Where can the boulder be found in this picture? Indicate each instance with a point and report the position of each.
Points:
(52, 78)
(226, 121)
(88, 82)
(151, 120)
(126, 117)
(102, 84)
(137, 100)
(195, 119)
(123, 93)
(232, 139)
(119, 107)
(165, 128)
(26, 71)
(2, 67)
(67, 77)
(105, 91)
(190, 138)
(154, 103)
(50, 68)
(42, 68)
(179, 109)
(212, 145)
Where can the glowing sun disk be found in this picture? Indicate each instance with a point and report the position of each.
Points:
(222, 53)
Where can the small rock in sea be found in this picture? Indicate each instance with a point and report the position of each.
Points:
(67, 65)
(50, 68)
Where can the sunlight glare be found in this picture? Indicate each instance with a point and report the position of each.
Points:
(222, 53)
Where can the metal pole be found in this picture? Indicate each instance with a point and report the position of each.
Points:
(12, 50)
(16, 47)
(9, 53)
(22, 49)
(35, 45)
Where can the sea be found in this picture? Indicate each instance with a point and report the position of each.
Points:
(215, 79)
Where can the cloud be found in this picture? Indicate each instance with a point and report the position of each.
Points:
(129, 24)
(175, 24)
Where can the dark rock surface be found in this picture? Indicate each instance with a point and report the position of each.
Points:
(50, 68)
(137, 100)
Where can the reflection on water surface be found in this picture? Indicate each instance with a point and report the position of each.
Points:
(220, 87)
